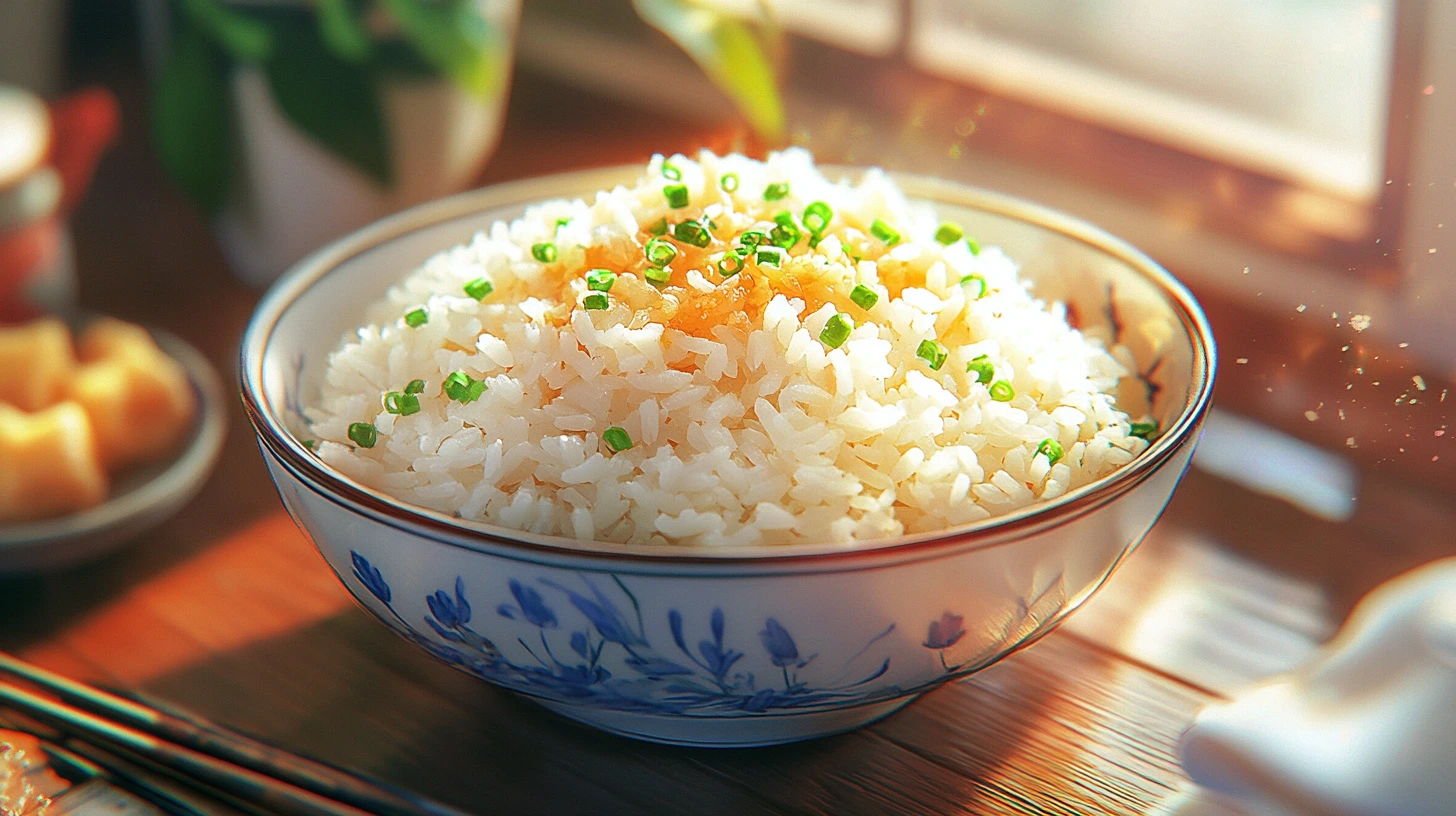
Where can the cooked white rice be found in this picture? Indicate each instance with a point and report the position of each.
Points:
(746, 428)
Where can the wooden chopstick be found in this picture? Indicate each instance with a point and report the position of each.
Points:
(232, 748)
(265, 791)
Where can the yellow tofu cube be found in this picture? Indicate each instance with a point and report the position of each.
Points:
(140, 404)
(48, 463)
(36, 360)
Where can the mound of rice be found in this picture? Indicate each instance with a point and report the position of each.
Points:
(746, 425)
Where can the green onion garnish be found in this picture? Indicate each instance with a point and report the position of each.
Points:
(1052, 449)
(752, 239)
(1001, 391)
(311, 444)
(480, 288)
(974, 245)
(659, 252)
(617, 439)
(863, 296)
(729, 182)
(776, 191)
(415, 387)
(561, 222)
(784, 236)
(677, 195)
(416, 318)
(817, 217)
(463, 388)
(693, 234)
(601, 280)
(770, 256)
(949, 233)
(657, 274)
(931, 352)
(981, 288)
(595, 302)
(671, 172)
(730, 264)
(836, 330)
(545, 253)
(884, 232)
(363, 434)
(398, 402)
(985, 370)
(1144, 430)
(658, 227)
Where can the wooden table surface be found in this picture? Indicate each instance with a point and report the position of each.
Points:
(228, 611)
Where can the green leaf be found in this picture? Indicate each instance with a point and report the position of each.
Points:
(331, 100)
(192, 112)
(241, 36)
(727, 50)
(342, 33)
(455, 38)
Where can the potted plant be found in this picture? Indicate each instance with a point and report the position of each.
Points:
(292, 122)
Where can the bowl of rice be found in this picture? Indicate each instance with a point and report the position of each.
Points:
(726, 452)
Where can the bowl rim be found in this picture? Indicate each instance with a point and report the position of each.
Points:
(478, 536)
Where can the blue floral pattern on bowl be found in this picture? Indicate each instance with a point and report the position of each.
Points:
(601, 655)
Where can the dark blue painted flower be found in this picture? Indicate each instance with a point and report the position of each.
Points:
(603, 614)
(370, 577)
(579, 643)
(779, 644)
(945, 632)
(447, 634)
(533, 608)
(716, 659)
(759, 701)
(654, 666)
(450, 612)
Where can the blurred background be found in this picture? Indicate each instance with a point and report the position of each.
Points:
(1289, 160)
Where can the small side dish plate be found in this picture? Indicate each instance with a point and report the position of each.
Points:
(141, 498)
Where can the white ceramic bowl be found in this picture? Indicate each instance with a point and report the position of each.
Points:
(745, 646)
(141, 498)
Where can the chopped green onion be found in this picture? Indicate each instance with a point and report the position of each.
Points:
(415, 387)
(659, 252)
(480, 288)
(311, 444)
(1144, 430)
(1052, 449)
(949, 233)
(730, 264)
(397, 402)
(677, 195)
(864, 297)
(658, 227)
(817, 217)
(776, 191)
(770, 256)
(617, 439)
(561, 222)
(671, 172)
(784, 236)
(595, 302)
(974, 245)
(363, 434)
(981, 288)
(693, 234)
(852, 255)
(729, 182)
(545, 253)
(657, 274)
(1001, 391)
(752, 239)
(601, 280)
(931, 352)
(984, 368)
(463, 388)
(836, 330)
(884, 232)
(416, 318)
